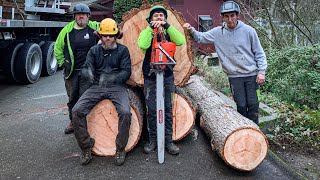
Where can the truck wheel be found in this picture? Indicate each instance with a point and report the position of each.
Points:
(10, 61)
(49, 61)
(28, 63)
(41, 43)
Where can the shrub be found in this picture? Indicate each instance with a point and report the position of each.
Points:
(293, 75)
(214, 76)
(294, 126)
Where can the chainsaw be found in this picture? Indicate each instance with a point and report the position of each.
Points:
(162, 51)
(161, 56)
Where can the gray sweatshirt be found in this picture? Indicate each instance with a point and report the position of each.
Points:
(238, 49)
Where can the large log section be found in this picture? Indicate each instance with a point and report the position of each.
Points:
(235, 138)
(103, 123)
(133, 23)
(183, 117)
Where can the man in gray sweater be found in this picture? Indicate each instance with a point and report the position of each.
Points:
(241, 56)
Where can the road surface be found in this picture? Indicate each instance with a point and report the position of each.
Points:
(34, 146)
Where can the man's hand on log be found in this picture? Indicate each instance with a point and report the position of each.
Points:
(187, 26)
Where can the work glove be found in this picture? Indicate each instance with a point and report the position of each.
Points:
(107, 80)
(87, 74)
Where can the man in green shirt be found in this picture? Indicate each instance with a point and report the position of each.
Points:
(158, 19)
(71, 48)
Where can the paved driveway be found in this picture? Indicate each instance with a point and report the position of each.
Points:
(33, 145)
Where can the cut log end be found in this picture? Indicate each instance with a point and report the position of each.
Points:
(103, 127)
(245, 149)
(183, 117)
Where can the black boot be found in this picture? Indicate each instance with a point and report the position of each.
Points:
(69, 129)
(86, 156)
(120, 157)
(149, 147)
(172, 148)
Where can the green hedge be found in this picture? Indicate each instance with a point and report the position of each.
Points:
(293, 75)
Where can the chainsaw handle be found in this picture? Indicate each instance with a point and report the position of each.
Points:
(155, 30)
(155, 34)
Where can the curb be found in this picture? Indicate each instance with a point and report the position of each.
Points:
(295, 174)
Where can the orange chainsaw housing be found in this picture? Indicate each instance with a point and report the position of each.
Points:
(157, 56)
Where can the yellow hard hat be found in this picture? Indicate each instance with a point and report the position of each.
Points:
(108, 26)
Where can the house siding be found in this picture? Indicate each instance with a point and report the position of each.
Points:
(192, 9)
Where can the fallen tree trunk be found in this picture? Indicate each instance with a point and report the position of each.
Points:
(235, 138)
(133, 23)
(102, 124)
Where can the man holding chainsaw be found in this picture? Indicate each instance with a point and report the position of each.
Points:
(241, 56)
(158, 20)
(107, 67)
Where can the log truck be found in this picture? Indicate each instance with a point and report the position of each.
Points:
(28, 29)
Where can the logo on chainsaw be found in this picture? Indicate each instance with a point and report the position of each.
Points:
(160, 118)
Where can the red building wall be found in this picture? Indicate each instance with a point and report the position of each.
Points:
(191, 9)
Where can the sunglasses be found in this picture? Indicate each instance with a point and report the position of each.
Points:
(108, 35)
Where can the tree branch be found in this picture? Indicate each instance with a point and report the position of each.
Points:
(291, 20)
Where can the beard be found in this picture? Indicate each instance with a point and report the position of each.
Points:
(82, 23)
(109, 44)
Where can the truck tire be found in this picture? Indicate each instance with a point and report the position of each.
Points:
(28, 63)
(10, 59)
(41, 43)
(49, 61)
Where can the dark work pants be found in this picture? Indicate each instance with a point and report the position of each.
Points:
(118, 96)
(75, 87)
(151, 102)
(244, 91)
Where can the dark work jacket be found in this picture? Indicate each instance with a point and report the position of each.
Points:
(115, 62)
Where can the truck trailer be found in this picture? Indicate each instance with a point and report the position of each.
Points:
(28, 29)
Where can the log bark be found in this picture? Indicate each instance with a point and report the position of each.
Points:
(134, 22)
(102, 124)
(237, 140)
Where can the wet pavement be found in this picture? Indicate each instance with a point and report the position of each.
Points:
(33, 145)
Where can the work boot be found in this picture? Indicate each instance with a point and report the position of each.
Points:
(86, 156)
(120, 157)
(172, 148)
(69, 129)
(149, 147)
